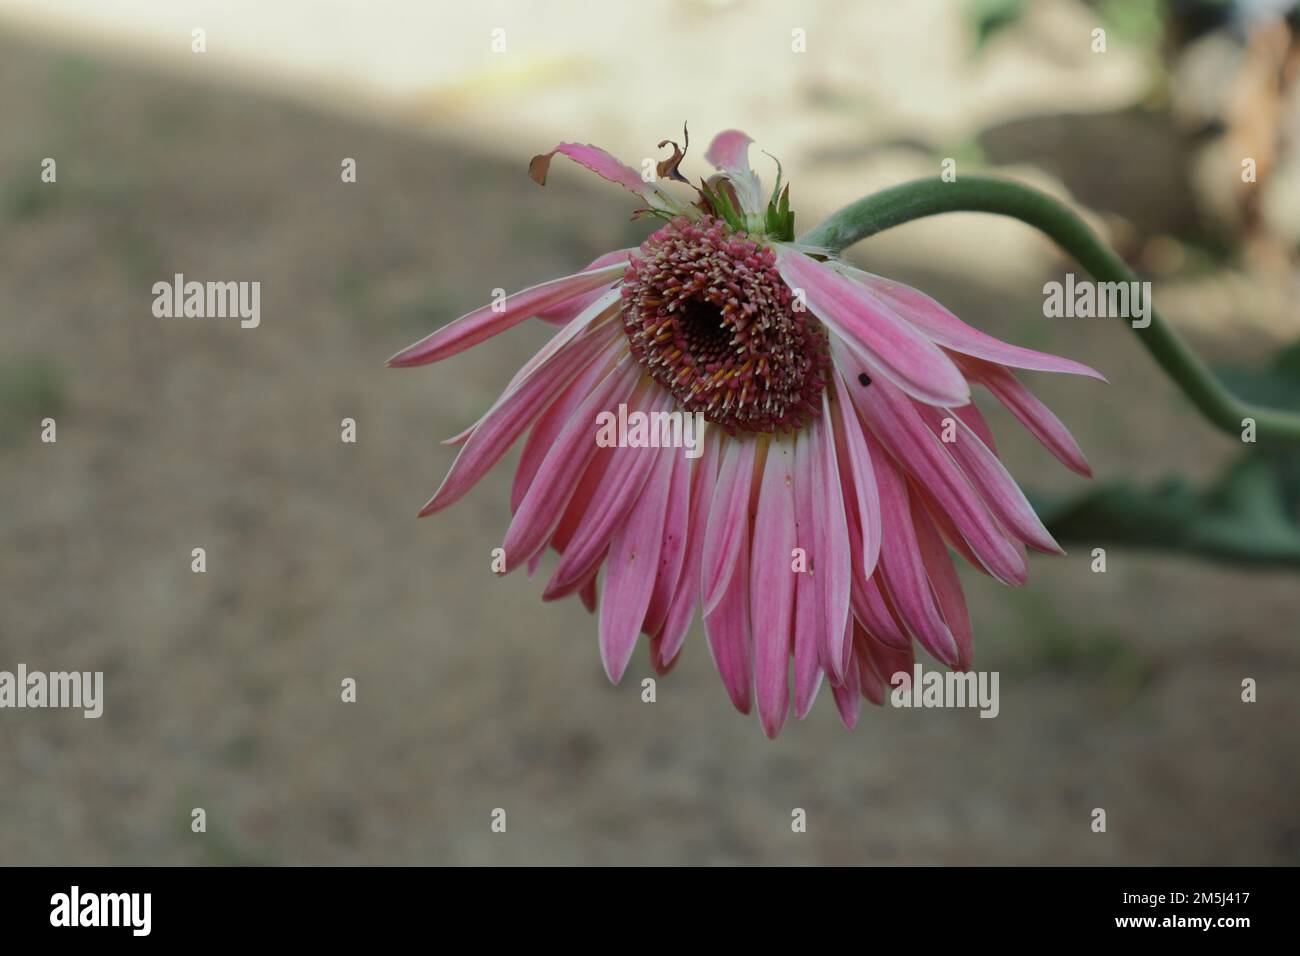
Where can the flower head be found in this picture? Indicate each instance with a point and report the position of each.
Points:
(841, 457)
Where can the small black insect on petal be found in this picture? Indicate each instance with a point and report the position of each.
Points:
(864, 379)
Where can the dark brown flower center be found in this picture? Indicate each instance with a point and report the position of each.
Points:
(710, 319)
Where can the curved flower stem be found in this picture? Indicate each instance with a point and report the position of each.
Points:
(928, 197)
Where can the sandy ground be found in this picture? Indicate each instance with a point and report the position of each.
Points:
(1119, 690)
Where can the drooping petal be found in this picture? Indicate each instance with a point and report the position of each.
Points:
(498, 431)
(900, 560)
(895, 421)
(809, 604)
(625, 475)
(630, 570)
(944, 583)
(540, 512)
(1031, 412)
(833, 568)
(772, 586)
(976, 422)
(564, 311)
(947, 330)
(888, 346)
(991, 479)
(728, 521)
(873, 688)
(672, 552)
(863, 505)
(481, 324)
(687, 595)
(848, 693)
(888, 662)
(547, 429)
(728, 629)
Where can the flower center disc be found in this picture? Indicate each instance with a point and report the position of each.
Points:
(710, 319)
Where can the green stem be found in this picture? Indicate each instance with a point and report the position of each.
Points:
(928, 197)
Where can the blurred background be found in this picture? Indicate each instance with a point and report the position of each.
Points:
(1119, 690)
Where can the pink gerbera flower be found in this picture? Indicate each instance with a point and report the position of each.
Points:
(841, 460)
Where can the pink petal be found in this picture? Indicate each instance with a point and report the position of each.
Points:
(588, 594)
(729, 152)
(887, 661)
(894, 419)
(672, 553)
(900, 559)
(772, 586)
(833, 568)
(944, 583)
(626, 474)
(889, 346)
(1031, 412)
(564, 311)
(687, 595)
(873, 688)
(848, 694)
(855, 473)
(543, 506)
(547, 429)
(498, 431)
(992, 480)
(947, 330)
(809, 609)
(629, 576)
(728, 630)
(481, 324)
(726, 534)
(975, 421)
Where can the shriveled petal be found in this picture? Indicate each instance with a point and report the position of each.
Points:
(772, 586)
(630, 570)
(481, 324)
(1031, 412)
(947, 330)
(603, 164)
(887, 345)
